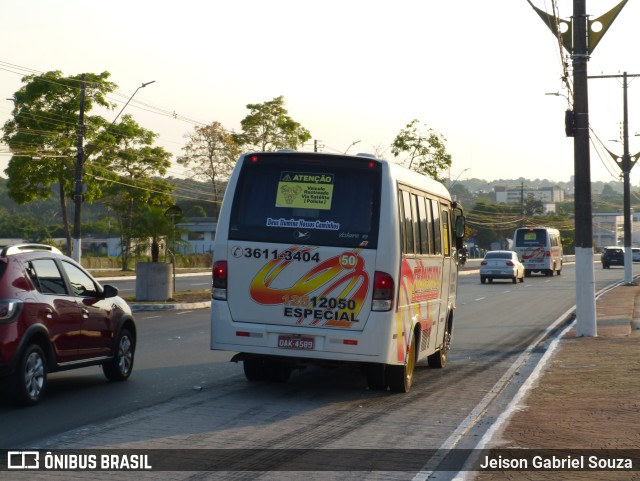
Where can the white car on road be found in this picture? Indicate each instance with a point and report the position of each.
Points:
(501, 265)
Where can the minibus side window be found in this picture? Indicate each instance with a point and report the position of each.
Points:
(446, 238)
(401, 221)
(416, 224)
(437, 233)
(407, 221)
(423, 219)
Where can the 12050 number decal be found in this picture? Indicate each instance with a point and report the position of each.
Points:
(321, 302)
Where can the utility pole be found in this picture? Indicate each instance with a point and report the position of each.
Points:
(625, 164)
(585, 276)
(78, 195)
(580, 37)
(77, 247)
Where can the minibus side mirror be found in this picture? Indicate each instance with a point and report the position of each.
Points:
(460, 224)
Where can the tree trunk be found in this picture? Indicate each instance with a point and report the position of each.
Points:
(155, 251)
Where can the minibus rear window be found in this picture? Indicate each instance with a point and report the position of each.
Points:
(307, 199)
(531, 238)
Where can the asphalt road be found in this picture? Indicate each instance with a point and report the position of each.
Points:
(184, 282)
(318, 407)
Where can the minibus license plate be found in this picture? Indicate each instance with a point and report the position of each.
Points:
(288, 342)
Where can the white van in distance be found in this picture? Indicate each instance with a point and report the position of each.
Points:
(540, 249)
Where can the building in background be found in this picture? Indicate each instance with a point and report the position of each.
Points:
(608, 229)
(548, 196)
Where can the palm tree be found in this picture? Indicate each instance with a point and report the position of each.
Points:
(152, 224)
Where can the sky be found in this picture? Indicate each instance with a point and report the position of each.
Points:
(353, 72)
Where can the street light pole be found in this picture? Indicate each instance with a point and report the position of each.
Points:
(125, 105)
(626, 168)
(77, 218)
(451, 184)
(352, 144)
(625, 164)
(580, 37)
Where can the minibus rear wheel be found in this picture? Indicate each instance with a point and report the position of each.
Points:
(376, 376)
(439, 358)
(254, 369)
(400, 378)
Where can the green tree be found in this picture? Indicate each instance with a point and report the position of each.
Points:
(268, 127)
(129, 164)
(425, 150)
(461, 193)
(210, 154)
(42, 135)
(493, 222)
(196, 211)
(151, 224)
(532, 206)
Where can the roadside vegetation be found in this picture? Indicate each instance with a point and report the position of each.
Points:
(126, 188)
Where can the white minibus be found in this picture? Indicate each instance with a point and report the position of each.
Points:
(326, 259)
(539, 248)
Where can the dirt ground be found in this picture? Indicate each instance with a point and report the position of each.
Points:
(588, 398)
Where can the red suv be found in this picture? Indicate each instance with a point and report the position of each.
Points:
(54, 316)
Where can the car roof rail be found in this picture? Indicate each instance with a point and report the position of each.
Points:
(18, 248)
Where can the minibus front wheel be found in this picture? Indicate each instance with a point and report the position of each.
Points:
(439, 358)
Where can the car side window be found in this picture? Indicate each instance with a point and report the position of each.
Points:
(81, 284)
(46, 277)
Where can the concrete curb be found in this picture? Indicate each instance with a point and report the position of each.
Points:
(170, 306)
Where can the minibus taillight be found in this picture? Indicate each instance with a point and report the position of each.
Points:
(547, 253)
(219, 286)
(382, 292)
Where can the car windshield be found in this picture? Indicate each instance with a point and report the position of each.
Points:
(498, 255)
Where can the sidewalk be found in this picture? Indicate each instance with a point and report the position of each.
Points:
(588, 397)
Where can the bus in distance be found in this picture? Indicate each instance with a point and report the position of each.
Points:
(540, 249)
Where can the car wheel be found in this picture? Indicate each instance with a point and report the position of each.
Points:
(514, 279)
(120, 366)
(400, 378)
(490, 279)
(482, 279)
(30, 379)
